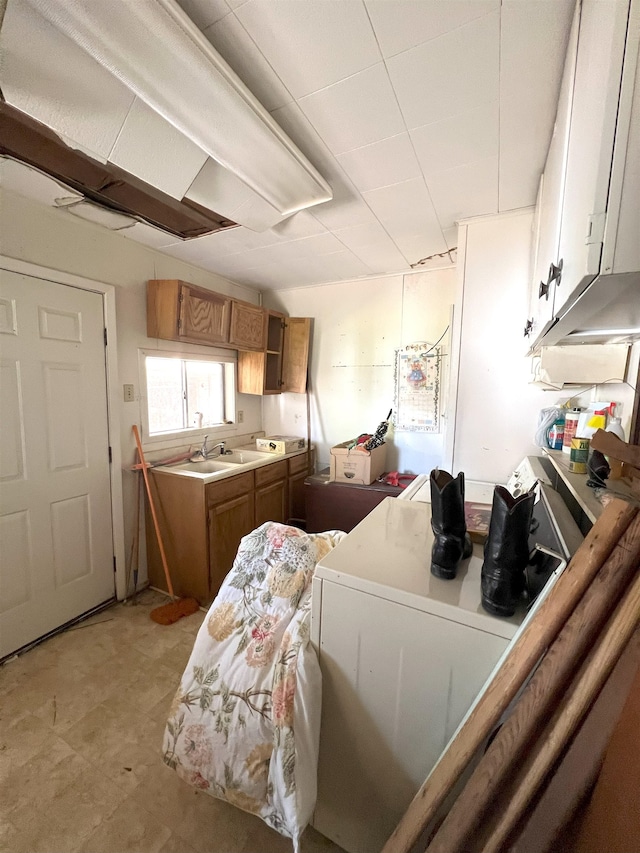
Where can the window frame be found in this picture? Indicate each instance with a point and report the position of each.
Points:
(188, 435)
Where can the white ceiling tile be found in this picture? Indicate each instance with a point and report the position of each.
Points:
(416, 247)
(156, 152)
(463, 138)
(342, 212)
(300, 225)
(373, 246)
(451, 236)
(405, 210)
(203, 13)
(525, 132)
(236, 47)
(312, 44)
(149, 235)
(69, 91)
(403, 24)
(356, 111)
(29, 182)
(450, 74)
(202, 249)
(382, 163)
(531, 30)
(469, 190)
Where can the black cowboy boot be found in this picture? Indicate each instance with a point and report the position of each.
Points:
(506, 551)
(451, 541)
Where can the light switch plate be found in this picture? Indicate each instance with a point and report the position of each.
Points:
(128, 393)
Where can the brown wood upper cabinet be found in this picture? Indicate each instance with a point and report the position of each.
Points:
(178, 311)
(282, 364)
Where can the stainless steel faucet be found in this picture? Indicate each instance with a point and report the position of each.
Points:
(205, 452)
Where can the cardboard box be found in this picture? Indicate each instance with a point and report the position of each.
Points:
(280, 443)
(357, 466)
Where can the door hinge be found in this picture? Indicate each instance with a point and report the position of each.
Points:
(595, 228)
(110, 456)
(105, 337)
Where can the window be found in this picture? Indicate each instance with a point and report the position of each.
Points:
(187, 394)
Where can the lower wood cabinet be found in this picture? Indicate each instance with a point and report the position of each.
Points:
(271, 493)
(230, 513)
(202, 524)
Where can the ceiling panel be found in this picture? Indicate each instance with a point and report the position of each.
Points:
(450, 74)
(416, 112)
(203, 13)
(382, 163)
(236, 46)
(469, 190)
(403, 24)
(311, 44)
(462, 138)
(156, 152)
(47, 76)
(356, 111)
(406, 210)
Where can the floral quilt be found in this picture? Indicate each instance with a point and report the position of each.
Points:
(245, 722)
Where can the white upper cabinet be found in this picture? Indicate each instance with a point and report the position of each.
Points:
(549, 201)
(584, 194)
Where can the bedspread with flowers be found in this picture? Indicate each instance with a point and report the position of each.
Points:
(245, 722)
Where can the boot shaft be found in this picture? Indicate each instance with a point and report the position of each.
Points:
(447, 503)
(507, 545)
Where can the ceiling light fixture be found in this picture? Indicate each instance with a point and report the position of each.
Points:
(159, 54)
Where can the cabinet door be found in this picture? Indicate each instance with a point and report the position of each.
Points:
(299, 470)
(228, 523)
(551, 195)
(601, 44)
(247, 326)
(271, 502)
(295, 357)
(203, 316)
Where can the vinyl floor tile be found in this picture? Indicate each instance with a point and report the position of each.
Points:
(82, 718)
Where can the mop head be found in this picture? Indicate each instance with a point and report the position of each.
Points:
(170, 613)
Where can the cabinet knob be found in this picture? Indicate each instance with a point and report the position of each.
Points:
(555, 273)
(543, 290)
(528, 328)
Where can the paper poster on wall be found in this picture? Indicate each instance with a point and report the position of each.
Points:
(417, 388)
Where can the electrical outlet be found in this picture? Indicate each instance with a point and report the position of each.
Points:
(240, 416)
(128, 393)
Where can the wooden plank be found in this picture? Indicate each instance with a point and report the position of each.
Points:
(575, 704)
(609, 444)
(508, 749)
(524, 654)
(571, 783)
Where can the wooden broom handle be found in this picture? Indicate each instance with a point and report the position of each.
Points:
(153, 511)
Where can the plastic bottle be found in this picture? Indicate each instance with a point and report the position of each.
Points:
(570, 428)
(556, 433)
(615, 426)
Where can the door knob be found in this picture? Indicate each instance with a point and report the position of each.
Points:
(543, 290)
(528, 328)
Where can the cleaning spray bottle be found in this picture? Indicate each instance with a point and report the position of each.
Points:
(614, 425)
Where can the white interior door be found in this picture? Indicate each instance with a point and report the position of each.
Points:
(56, 543)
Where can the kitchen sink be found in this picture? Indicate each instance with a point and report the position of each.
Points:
(241, 457)
(207, 466)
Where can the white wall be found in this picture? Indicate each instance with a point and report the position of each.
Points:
(497, 408)
(59, 241)
(357, 326)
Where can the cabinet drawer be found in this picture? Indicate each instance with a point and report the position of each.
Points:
(298, 463)
(270, 473)
(229, 488)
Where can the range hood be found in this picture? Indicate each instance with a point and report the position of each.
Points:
(606, 311)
